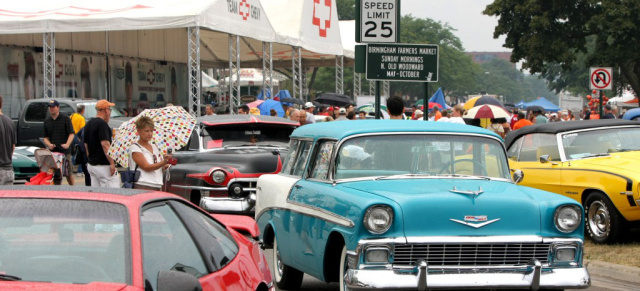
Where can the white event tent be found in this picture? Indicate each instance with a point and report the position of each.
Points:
(214, 33)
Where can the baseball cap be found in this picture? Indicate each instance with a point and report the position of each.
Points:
(419, 112)
(309, 105)
(54, 103)
(103, 104)
(342, 111)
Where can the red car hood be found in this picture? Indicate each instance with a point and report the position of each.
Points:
(47, 286)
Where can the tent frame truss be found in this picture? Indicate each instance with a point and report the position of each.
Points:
(340, 74)
(296, 66)
(372, 86)
(357, 83)
(48, 61)
(193, 50)
(385, 89)
(234, 68)
(267, 69)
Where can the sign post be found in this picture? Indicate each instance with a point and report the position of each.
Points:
(601, 78)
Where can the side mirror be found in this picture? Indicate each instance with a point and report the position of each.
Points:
(177, 281)
(518, 175)
(275, 152)
(545, 158)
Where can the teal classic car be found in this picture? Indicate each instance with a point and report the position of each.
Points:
(412, 205)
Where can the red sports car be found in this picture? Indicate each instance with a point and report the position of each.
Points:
(81, 238)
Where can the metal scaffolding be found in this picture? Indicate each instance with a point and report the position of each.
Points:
(357, 83)
(385, 89)
(296, 66)
(48, 61)
(194, 70)
(372, 87)
(267, 69)
(234, 68)
(340, 74)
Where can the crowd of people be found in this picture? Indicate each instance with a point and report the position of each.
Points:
(92, 140)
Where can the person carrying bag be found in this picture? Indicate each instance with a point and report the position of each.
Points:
(147, 157)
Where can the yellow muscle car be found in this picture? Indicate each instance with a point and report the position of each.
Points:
(595, 162)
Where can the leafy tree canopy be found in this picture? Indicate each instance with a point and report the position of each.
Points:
(551, 36)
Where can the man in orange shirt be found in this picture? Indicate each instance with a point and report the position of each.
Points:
(522, 122)
(436, 113)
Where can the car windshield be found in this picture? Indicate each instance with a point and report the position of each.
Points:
(600, 142)
(246, 134)
(90, 110)
(422, 155)
(65, 241)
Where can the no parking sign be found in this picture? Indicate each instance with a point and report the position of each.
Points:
(600, 78)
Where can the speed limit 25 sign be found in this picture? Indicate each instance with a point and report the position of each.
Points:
(378, 21)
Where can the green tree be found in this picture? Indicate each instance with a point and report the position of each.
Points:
(346, 9)
(550, 36)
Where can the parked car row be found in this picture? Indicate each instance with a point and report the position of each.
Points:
(375, 205)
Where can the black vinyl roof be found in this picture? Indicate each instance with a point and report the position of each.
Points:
(244, 118)
(556, 127)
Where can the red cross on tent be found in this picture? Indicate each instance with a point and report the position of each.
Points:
(151, 77)
(322, 16)
(244, 9)
(59, 68)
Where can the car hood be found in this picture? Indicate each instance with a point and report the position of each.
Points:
(245, 160)
(430, 207)
(627, 161)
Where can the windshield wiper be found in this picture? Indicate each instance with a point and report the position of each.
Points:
(596, 155)
(627, 150)
(464, 176)
(5, 277)
(400, 176)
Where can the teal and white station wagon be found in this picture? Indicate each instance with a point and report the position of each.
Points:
(411, 205)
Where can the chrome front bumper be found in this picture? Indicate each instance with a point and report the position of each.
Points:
(531, 276)
(229, 205)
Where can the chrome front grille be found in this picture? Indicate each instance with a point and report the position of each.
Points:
(481, 254)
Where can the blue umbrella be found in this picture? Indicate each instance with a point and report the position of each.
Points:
(283, 94)
(262, 93)
(267, 105)
(438, 97)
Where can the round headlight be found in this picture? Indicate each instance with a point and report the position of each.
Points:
(218, 176)
(568, 218)
(378, 219)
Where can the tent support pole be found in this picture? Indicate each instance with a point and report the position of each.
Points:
(296, 63)
(194, 70)
(340, 74)
(108, 66)
(267, 69)
(234, 68)
(357, 84)
(48, 60)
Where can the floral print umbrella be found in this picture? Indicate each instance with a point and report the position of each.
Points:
(173, 127)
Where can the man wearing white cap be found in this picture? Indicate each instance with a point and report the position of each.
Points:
(418, 114)
(309, 107)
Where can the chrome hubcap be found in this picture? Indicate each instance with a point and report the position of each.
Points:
(279, 264)
(599, 219)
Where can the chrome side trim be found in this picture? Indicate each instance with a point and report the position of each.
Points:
(200, 188)
(341, 220)
(322, 214)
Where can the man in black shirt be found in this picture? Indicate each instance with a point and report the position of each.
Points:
(586, 113)
(97, 141)
(58, 136)
(7, 146)
(608, 114)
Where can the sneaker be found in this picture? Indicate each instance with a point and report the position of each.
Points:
(80, 174)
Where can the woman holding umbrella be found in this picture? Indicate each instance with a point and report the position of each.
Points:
(147, 157)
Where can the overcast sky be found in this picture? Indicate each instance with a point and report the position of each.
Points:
(474, 29)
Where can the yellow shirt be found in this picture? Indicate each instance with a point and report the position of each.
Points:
(78, 122)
